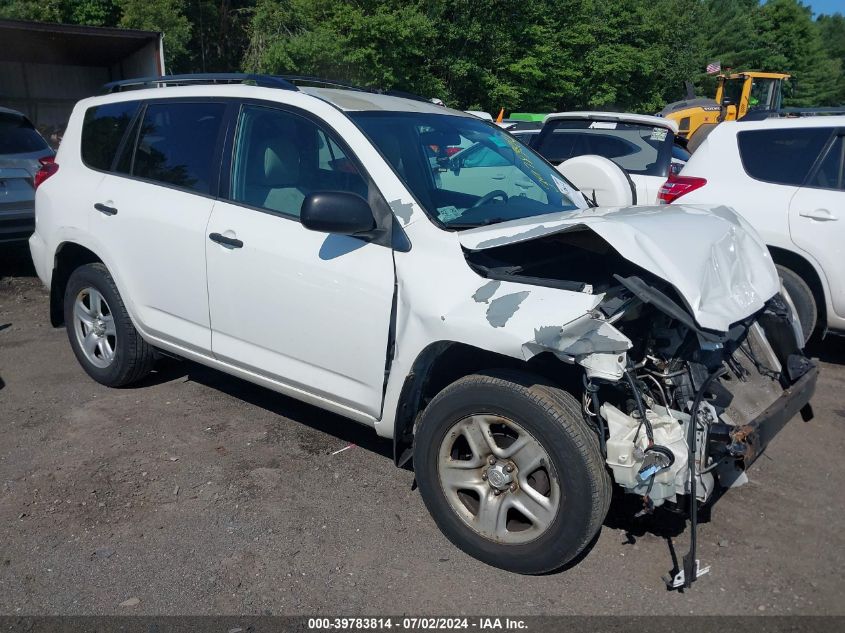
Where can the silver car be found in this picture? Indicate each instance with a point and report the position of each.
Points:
(22, 150)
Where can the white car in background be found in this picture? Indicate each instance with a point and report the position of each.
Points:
(644, 146)
(787, 178)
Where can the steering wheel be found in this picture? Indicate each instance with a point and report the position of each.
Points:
(497, 193)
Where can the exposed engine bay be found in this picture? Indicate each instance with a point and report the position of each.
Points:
(688, 397)
(677, 409)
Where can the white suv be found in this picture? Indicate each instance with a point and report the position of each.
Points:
(644, 146)
(526, 350)
(787, 178)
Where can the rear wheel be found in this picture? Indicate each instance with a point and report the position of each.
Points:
(100, 331)
(802, 298)
(509, 471)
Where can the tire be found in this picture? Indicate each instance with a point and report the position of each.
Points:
(701, 133)
(803, 299)
(577, 484)
(95, 312)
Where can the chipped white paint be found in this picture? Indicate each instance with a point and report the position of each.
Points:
(709, 254)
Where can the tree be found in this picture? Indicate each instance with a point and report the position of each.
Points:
(160, 15)
(794, 45)
(377, 44)
(832, 33)
(36, 10)
(776, 36)
(540, 55)
(218, 34)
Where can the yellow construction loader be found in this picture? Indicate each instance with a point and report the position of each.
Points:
(737, 95)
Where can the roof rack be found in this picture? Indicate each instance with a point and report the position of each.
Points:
(283, 82)
(321, 81)
(264, 81)
(333, 83)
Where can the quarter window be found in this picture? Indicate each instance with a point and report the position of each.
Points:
(281, 157)
(782, 156)
(102, 131)
(831, 171)
(176, 144)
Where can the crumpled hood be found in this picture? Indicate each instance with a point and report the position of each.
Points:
(712, 257)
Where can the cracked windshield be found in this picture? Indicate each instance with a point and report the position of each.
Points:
(466, 172)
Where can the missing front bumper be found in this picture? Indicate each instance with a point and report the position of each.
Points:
(750, 440)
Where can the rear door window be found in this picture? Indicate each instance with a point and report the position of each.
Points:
(102, 131)
(782, 156)
(177, 144)
(17, 136)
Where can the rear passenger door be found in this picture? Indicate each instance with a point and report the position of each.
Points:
(310, 311)
(780, 157)
(150, 214)
(817, 217)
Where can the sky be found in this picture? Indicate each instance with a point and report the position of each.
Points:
(826, 6)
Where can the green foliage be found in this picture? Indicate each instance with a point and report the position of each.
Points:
(36, 10)
(832, 31)
(160, 15)
(536, 55)
(539, 55)
(370, 43)
(777, 36)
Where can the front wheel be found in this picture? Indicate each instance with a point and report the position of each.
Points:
(802, 298)
(509, 471)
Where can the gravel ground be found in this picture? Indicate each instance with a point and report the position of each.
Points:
(197, 493)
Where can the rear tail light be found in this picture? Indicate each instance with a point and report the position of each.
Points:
(677, 186)
(451, 151)
(49, 166)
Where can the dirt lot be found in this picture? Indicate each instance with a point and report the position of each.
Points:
(198, 493)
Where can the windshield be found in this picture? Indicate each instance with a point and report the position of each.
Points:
(637, 148)
(17, 136)
(763, 94)
(465, 172)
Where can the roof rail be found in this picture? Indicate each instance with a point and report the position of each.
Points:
(811, 111)
(264, 81)
(321, 81)
(333, 83)
(283, 82)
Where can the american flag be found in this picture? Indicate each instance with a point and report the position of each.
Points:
(714, 67)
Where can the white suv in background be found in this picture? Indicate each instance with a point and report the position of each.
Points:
(643, 146)
(787, 178)
(523, 348)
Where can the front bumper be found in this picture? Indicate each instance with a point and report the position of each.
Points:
(750, 440)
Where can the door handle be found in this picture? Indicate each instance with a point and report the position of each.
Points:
(228, 242)
(105, 209)
(818, 214)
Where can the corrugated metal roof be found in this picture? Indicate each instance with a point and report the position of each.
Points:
(71, 44)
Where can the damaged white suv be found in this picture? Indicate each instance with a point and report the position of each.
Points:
(420, 271)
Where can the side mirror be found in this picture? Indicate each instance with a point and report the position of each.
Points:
(336, 212)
